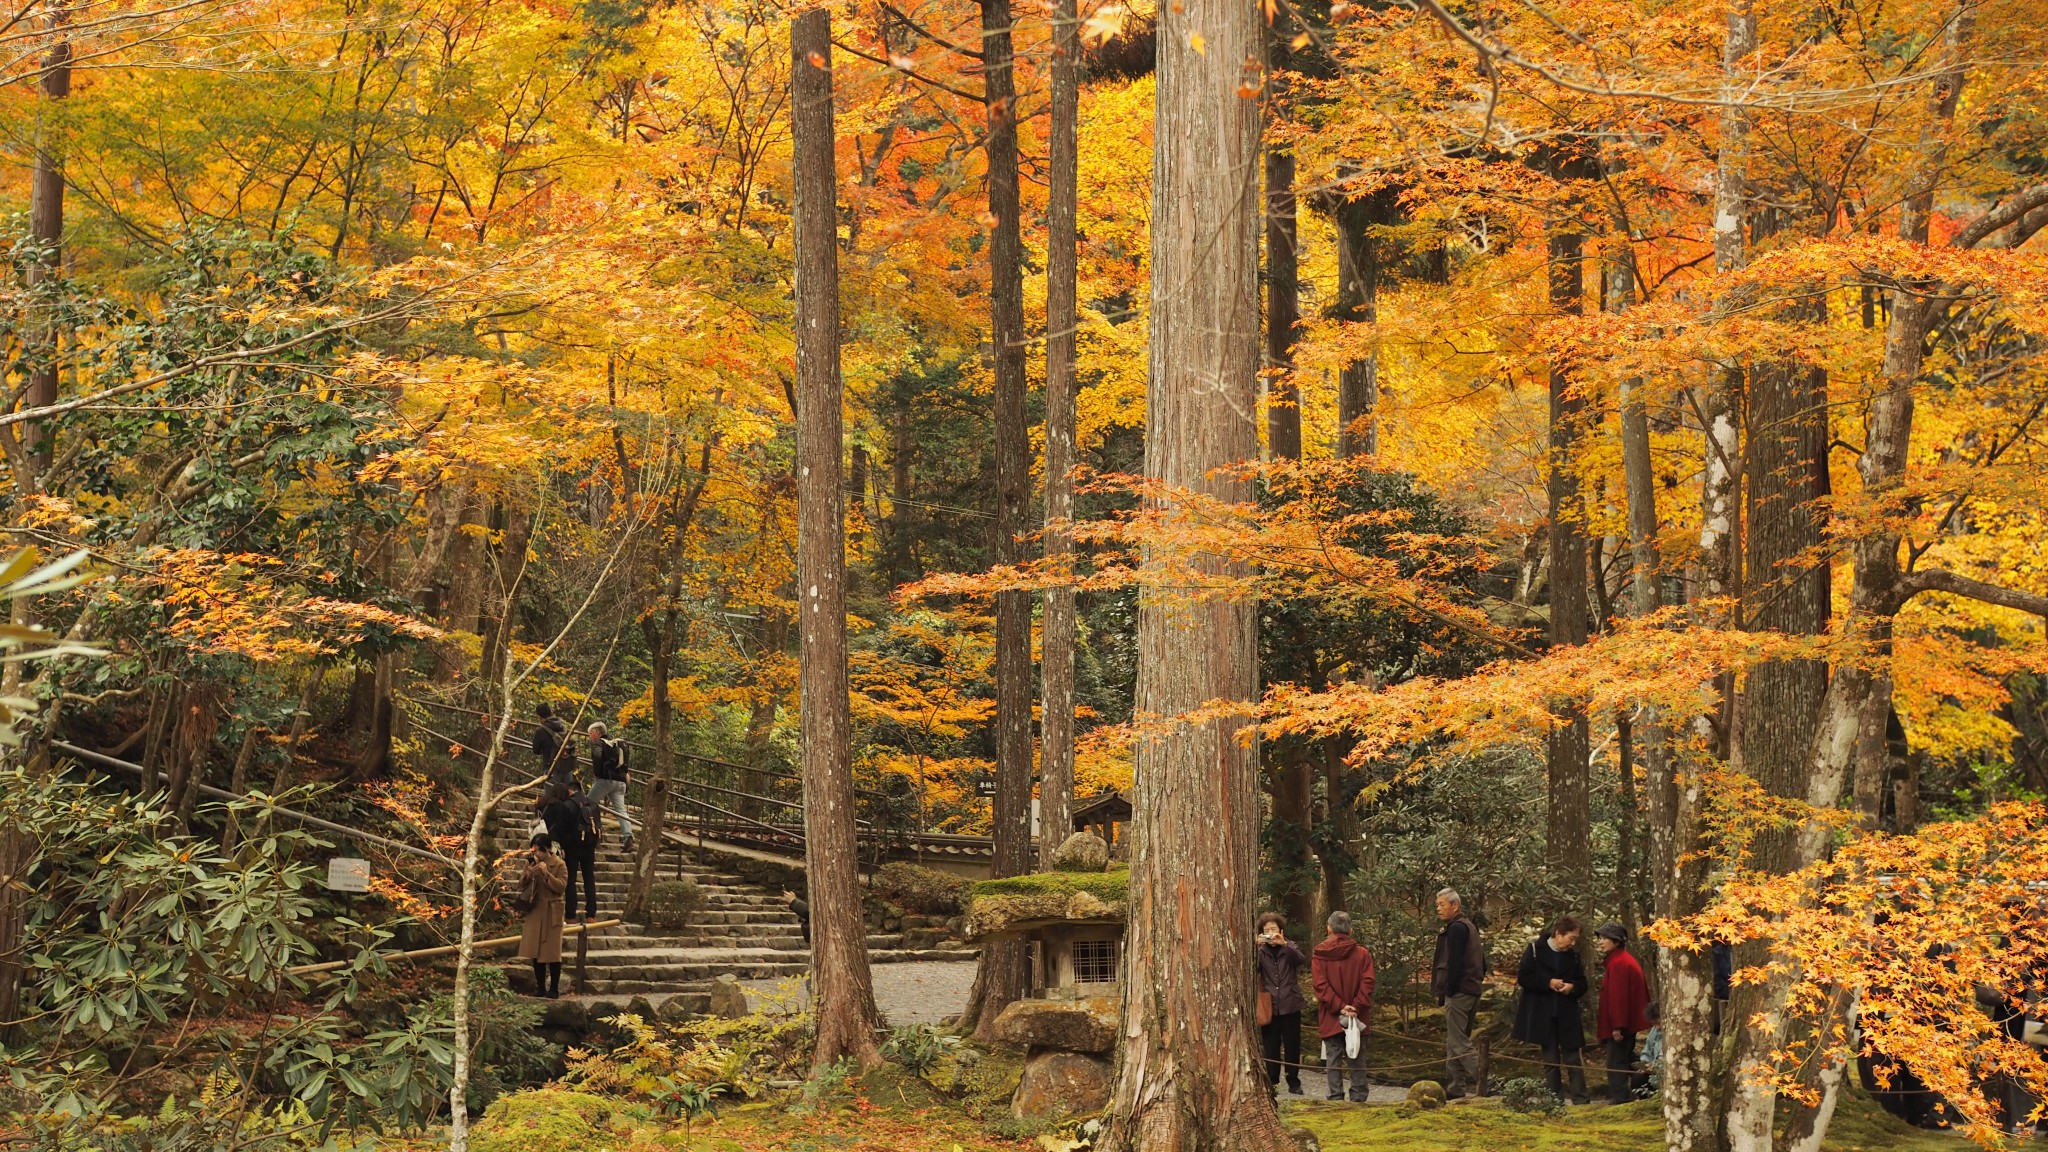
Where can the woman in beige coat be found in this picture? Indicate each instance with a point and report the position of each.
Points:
(540, 890)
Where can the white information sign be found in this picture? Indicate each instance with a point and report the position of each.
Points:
(348, 874)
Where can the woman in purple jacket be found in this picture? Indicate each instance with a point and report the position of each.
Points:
(1280, 965)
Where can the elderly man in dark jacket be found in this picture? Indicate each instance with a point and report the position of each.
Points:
(1457, 978)
(1280, 965)
(1553, 980)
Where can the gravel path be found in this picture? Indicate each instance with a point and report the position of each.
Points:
(923, 991)
(906, 992)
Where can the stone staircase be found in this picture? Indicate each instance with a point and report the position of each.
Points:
(744, 930)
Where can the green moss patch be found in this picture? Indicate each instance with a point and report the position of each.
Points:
(1106, 886)
(1859, 1126)
(1015, 902)
(544, 1120)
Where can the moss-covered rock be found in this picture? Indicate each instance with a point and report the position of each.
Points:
(1081, 852)
(923, 890)
(1427, 1095)
(543, 1120)
(995, 907)
(1065, 1025)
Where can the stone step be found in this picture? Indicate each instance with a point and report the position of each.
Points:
(705, 924)
(711, 918)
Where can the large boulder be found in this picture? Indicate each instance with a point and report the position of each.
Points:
(728, 999)
(1081, 852)
(573, 1015)
(1061, 1084)
(1065, 1025)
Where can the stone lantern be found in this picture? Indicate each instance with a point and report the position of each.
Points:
(1073, 917)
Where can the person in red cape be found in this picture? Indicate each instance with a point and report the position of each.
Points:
(1624, 1009)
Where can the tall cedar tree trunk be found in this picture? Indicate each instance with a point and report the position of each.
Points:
(1785, 439)
(1283, 302)
(464, 604)
(1338, 803)
(1692, 1105)
(1292, 782)
(661, 647)
(38, 444)
(843, 990)
(46, 226)
(1056, 772)
(1003, 976)
(1188, 1077)
(1357, 435)
(1652, 739)
(1358, 277)
(1569, 851)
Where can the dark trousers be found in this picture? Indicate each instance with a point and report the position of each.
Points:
(1281, 1040)
(1336, 1064)
(1621, 1061)
(1557, 1064)
(582, 860)
(547, 979)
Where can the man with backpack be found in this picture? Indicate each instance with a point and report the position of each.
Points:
(552, 746)
(608, 766)
(571, 821)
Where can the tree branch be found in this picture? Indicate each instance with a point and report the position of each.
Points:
(910, 72)
(1942, 580)
(914, 26)
(2009, 213)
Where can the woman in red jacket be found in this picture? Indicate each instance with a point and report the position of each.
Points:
(1624, 1009)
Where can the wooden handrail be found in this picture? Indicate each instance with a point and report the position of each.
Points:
(293, 813)
(444, 949)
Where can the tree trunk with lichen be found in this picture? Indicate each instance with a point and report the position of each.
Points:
(843, 990)
(1056, 663)
(1188, 1076)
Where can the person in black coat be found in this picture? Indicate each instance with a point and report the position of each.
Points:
(552, 745)
(1553, 980)
(571, 821)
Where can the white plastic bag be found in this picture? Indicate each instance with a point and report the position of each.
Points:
(1354, 1034)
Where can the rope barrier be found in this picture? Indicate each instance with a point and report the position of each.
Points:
(1439, 1062)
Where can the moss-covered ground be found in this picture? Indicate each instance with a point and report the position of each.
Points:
(1859, 1126)
(890, 1110)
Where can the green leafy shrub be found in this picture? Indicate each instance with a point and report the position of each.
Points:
(918, 1048)
(923, 890)
(544, 1120)
(1531, 1096)
(672, 903)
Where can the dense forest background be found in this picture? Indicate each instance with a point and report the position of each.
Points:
(374, 349)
